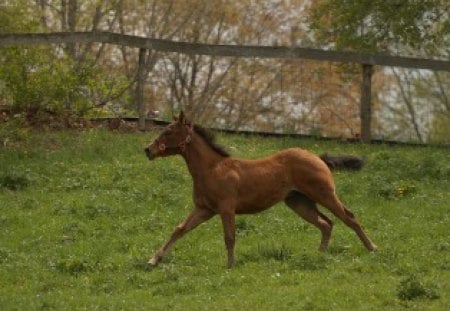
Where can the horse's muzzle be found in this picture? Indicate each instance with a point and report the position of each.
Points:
(149, 154)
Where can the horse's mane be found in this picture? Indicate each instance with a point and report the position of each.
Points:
(209, 138)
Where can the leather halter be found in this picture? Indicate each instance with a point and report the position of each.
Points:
(182, 145)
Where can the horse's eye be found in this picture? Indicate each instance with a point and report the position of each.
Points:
(166, 133)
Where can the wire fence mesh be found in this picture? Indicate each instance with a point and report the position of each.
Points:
(301, 97)
(279, 95)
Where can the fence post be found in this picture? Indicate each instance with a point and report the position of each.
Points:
(366, 105)
(140, 90)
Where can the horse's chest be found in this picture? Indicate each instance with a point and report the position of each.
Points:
(205, 197)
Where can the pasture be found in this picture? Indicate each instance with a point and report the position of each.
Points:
(82, 211)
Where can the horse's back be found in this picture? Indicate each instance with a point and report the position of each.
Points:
(309, 173)
(303, 158)
(296, 160)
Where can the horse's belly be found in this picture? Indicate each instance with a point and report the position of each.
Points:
(249, 209)
(258, 204)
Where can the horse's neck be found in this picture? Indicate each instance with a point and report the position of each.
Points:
(200, 157)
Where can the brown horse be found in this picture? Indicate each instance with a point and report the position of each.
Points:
(228, 186)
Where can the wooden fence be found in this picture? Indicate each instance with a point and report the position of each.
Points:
(367, 61)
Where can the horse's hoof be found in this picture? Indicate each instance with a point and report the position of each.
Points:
(149, 266)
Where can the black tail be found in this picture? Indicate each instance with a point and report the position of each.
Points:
(343, 162)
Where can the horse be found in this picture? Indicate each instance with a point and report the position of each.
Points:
(227, 186)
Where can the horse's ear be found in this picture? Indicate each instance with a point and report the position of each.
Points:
(182, 119)
(174, 118)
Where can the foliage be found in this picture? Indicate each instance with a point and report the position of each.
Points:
(204, 86)
(14, 17)
(78, 235)
(412, 288)
(383, 26)
(37, 81)
(44, 78)
(440, 131)
(409, 28)
(247, 93)
(13, 181)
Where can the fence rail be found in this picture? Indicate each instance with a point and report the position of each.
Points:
(222, 50)
(367, 61)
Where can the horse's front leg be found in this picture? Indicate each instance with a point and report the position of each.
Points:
(228, 222)
(197, 216)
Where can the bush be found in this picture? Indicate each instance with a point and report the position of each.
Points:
(13, 132)
(413, 288)
(399, 190)
(35, 80)
(278, 253)
(14, 181)
(73, 266)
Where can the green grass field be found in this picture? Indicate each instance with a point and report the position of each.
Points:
(81, 212)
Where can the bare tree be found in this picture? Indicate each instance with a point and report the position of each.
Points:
(407, 95)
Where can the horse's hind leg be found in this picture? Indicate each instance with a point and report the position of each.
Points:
(333, 203)
(307, 209)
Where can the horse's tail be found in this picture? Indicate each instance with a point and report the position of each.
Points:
(343, 162)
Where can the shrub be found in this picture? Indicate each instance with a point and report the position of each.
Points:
(413, 288)
(14, 181)
(309, 262)
(397, 190)
(72, 265)
(278, 253)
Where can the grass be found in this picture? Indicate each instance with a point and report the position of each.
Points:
(81, 212)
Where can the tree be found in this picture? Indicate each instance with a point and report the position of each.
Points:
(237, 93)
(405, 27)
(435, 89)
(421, 27)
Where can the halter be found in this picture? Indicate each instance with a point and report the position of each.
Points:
(182, 145)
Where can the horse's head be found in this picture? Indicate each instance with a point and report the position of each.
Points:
(172, 140)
